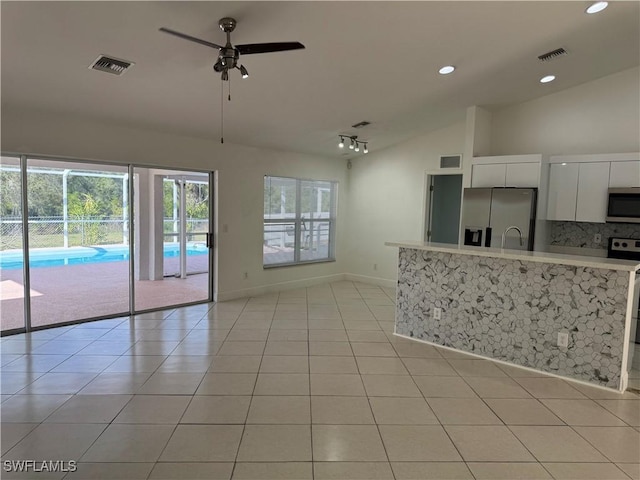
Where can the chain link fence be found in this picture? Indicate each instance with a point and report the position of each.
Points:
(47, 232)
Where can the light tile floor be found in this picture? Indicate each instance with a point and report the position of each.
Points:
(305, 384)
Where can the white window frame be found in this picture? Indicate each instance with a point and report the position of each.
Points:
(298, 219)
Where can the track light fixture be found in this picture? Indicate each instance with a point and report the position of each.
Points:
(354, 143)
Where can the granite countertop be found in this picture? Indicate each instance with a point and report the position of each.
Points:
(541, 257)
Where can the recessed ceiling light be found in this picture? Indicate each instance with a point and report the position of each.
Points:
(446, 70)
(597, 7)
(547, 79)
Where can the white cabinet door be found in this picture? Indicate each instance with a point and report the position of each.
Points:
(563, 191)
(593, 182)
(624, 174)
(488, 175)
(525, 175)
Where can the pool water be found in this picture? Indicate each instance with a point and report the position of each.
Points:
(54, 257)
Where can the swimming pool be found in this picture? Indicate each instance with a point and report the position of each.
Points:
(54, 257)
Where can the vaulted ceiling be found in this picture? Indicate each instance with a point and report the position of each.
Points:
(374, 61)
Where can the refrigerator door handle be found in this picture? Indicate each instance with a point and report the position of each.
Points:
(487, 237)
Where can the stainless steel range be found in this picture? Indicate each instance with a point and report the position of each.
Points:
(626, 249)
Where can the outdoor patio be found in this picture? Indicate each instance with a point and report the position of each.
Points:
(73, 292)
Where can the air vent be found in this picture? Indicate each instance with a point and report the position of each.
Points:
(364, 123)
(558, 52)
(450, 161)
(110, 65)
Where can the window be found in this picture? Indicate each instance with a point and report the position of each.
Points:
(299, 221)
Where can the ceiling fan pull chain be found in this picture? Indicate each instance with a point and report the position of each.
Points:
(221, 112)
(229, 98)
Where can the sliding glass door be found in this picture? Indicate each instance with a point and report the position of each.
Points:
(171, 246)
(11, 246)
(78, 241)
(83, 222)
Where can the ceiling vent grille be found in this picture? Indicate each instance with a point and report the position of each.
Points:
(553, 54)
(111, 65)
(364, 123)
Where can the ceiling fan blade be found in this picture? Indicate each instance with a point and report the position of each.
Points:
(251, 48)
(190, 38)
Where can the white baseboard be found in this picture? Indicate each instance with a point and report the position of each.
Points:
(277, 287)
(381, 282)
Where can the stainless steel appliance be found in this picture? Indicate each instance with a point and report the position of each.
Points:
(499, 217)
(624, 205)
(626, 249)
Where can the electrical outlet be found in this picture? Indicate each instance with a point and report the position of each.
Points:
(563, 339)
(597, 239)
(375, 266)
(437, 313)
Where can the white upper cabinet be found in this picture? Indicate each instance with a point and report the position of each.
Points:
(506, 171)
(578, 184)
(563, 191)
(593, 183)
(525, 175)
(488, 175)
(624, 174)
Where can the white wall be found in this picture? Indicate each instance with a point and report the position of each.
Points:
(386, 199)
(602, 116)
(239, 191)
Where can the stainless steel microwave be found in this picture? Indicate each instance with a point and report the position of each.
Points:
(624, 205)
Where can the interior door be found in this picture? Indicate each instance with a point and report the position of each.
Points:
(444, 208)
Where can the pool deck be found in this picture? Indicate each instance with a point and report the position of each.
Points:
(73, 292)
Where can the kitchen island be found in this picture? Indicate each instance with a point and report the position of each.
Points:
(510, 305)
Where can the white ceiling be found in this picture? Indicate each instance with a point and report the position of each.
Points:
(374, 61)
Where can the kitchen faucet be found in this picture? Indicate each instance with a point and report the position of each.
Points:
(512, 227)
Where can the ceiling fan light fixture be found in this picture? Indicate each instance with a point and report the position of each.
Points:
(446, 70)
(341, 144)
(244, 72)
(357, 147)
(365, 149)
(596, 7)
(351, 145)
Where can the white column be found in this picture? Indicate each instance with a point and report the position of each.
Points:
(65, 208)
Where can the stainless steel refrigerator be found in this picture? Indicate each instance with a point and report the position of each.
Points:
(488, 214)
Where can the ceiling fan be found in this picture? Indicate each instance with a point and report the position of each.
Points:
(228, 55)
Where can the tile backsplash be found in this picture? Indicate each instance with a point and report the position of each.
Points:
(581, 234)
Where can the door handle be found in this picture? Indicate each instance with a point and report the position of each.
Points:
(209, 240)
